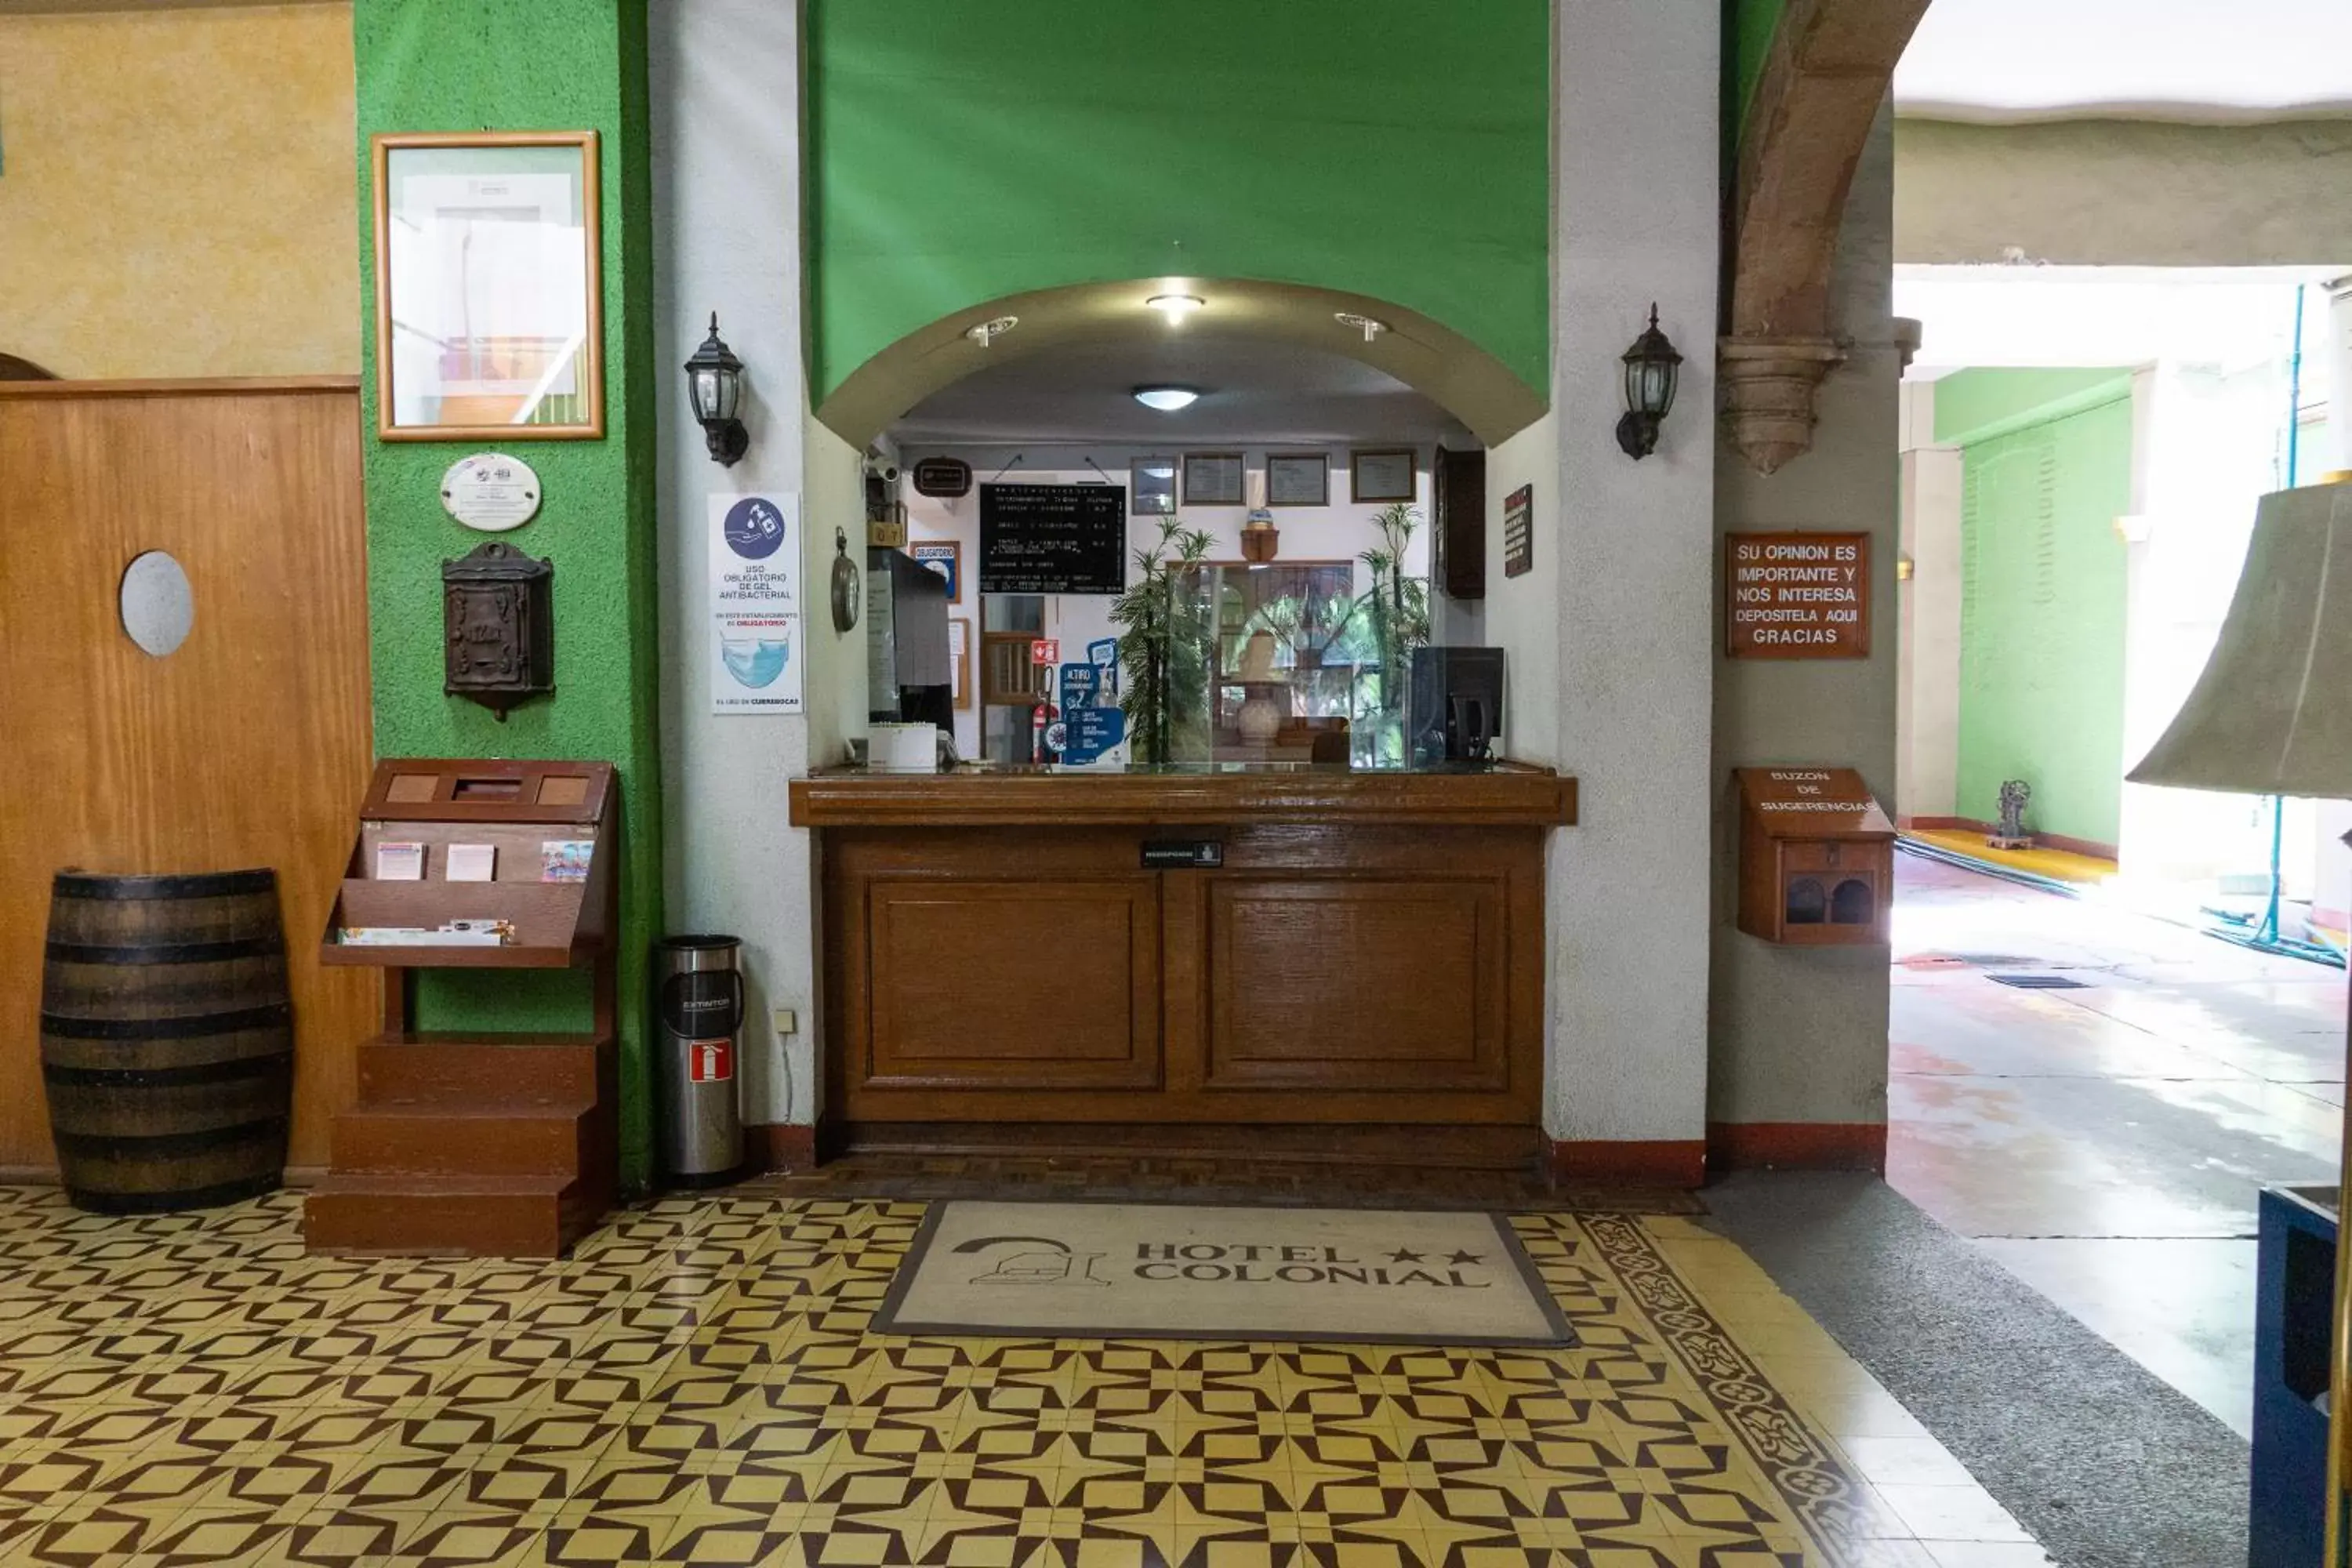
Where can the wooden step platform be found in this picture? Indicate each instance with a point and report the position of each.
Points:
(482, 1145)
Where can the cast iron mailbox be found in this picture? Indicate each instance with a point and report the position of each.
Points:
(497, 618)
(1816, 858)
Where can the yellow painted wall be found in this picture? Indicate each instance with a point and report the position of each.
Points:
(178, 196)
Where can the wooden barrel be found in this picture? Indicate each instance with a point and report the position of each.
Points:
(167, 1039)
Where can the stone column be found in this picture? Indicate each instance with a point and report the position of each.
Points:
(1797, 1067)
(1624, 554)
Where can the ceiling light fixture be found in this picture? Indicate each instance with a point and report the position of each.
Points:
(988, 332)
(1176, 307)
(1166, 399)
(1364, 324)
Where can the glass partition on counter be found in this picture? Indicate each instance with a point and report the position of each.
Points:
(1208, 665)
(1293, 671)
(1290, 662)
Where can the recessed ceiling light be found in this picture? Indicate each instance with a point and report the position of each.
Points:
(1176, 307)
(1166, 399)
(989, 331)
(1365, 324)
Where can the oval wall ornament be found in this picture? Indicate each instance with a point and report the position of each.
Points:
(946, 479)
(491, 492)
(157, 605)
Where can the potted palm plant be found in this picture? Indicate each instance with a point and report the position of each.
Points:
(1397, 608)
(1164, 643)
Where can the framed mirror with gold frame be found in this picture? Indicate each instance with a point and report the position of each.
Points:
(490, 319)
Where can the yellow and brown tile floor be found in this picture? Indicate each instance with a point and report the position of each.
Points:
(697, 1385)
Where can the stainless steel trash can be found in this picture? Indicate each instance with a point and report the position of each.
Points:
(699, 1116)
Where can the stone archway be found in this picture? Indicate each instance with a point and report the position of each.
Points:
(1822, 86)
(1440, 364)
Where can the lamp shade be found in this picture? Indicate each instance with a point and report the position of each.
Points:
(2272, 714)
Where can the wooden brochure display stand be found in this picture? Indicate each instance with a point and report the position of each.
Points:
(1816, 858)
(478, 1142)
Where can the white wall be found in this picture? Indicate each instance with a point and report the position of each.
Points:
(725, 80)
(2117, 192)
(1522, 613)
(1630, 561)
(1339, 532)
(1928, 625)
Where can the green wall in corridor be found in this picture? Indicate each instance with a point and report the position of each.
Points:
(1748, 27)
(472, 65)
(2043, 596)
(959, 152)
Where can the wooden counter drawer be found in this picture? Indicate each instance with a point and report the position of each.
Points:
(1008, 984)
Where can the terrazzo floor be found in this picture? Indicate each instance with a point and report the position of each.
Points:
(2107, 1142)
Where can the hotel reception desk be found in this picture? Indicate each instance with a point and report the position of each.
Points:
(1236, 960)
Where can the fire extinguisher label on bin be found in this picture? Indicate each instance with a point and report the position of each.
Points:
(711, 1061)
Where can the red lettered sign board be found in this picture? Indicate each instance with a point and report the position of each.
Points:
(1796, 595)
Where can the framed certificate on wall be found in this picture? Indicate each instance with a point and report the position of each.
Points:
(1212, 479)
(1297, 478)
(489, 318)
(1152, 482)
(1380, 474)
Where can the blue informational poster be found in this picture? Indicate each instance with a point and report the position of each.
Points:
(1090, 722)
(1091, 732)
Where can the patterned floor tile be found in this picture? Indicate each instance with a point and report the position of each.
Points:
(698, 1385)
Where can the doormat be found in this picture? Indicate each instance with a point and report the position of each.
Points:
(1166, 1271)
(2038, 982)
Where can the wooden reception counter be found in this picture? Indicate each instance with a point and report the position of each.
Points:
(1311, 960)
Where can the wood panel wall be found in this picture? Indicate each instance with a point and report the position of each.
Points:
(248, 746)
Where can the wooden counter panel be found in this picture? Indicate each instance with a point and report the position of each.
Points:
(985, 984)
(1416, 1004)
(1511, 796)
(1326, 974)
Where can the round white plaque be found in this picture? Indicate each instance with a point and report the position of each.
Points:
(490, 491)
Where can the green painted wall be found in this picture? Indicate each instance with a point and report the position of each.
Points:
(1975, 404)
(469, 65)
(959, 152)
(1748, 29)
(2043, 596)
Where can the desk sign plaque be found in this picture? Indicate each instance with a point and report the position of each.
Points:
(1796, 595)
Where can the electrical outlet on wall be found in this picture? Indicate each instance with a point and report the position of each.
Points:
(786, 1021)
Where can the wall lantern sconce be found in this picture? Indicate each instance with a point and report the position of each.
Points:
(714, 382)
(1653, 366)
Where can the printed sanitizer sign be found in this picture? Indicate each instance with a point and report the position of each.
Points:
(755, 604)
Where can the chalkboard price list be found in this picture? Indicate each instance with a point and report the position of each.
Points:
(1052, 539)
